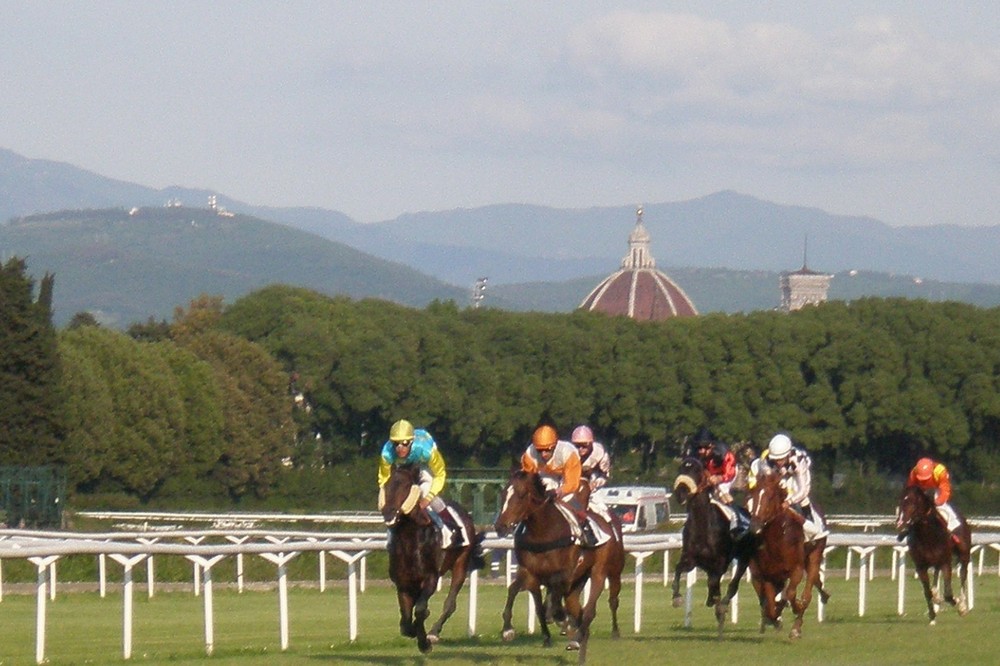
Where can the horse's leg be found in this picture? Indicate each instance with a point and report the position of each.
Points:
(590, 609)
(928, 595)
(684, 565)
(405, 613)
(714, 589)
(459, 572)
(420, 613)
(764, 598)
(734, 584)
(508, 610)
(798, 605)
(536, 594)
(963, 583)
(614, 590)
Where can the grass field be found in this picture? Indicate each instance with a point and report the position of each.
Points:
(85, 629)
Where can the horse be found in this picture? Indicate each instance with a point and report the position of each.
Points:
(782, 559)
(706, 540)
(931, 546)
(549, 555)
(417, 559)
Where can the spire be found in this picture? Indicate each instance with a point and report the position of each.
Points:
(638, 247)
(805, 252)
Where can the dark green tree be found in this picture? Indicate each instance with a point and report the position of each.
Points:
(31, 399)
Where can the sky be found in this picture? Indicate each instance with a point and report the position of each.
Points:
(885, 109)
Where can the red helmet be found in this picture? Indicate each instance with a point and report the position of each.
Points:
(924, 469)
(545, 438)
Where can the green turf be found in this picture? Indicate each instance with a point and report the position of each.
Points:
(83, 628)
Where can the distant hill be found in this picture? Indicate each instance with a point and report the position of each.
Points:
(537, 258)
(128, 266)
(520, 243)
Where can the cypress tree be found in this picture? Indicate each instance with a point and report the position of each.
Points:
(31, 428)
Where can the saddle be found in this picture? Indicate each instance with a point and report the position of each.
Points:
(600, 535)
(739, 519)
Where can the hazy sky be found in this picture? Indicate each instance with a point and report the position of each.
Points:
(888, 109)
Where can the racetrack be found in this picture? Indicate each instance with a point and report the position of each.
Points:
(84, 628)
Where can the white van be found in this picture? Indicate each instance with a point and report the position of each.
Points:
(641, 508)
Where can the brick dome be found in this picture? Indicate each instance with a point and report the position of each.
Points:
(638, 290)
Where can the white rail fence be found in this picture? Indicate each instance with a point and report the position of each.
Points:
(206, 548)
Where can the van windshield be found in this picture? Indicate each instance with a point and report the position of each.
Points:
(626, 512)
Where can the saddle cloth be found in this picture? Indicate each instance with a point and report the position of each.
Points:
(462, 539)
(574, 526)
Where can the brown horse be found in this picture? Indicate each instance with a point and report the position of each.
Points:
(416, 558)
(706, 540)
(549, 555)
(783, 559)
(931, 546)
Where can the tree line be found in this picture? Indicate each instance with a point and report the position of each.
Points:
(225, 400)
(871, 383)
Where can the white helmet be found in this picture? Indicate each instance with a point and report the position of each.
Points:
(779, 447)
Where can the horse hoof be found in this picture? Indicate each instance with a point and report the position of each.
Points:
(425, 646)
(572, 646)
(795, 634)
(508, 635)
(932, 622)
(433, 638)
(678, 602)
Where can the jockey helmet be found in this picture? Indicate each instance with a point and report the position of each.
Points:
(924, 469)
(582, 435)
(401, 431)
(779, 448)
(544, 438)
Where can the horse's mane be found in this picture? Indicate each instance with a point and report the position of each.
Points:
(529, 477)
(917, 492)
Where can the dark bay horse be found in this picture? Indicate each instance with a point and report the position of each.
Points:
(782, 559)
(549, 556)
(706, 540)
(931, 547)
(416, 558)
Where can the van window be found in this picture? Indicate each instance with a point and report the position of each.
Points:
(627, 512)
(662, 512)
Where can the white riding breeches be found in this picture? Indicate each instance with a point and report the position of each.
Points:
(949, 516)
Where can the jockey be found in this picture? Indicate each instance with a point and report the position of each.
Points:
(793, 466)
(595, 463)
(719, 463)
(557, 462)
(927, 475)
(595, 466)
(409, 445)
(758, 466)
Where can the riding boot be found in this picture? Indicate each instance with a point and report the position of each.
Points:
(741, 528)
(589, 538)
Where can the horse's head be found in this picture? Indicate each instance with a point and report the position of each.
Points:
(523, 495)
(689, 479)
(400, 495)
(914, 506)
(766, 501)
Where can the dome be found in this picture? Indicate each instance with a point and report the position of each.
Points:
(638, 290)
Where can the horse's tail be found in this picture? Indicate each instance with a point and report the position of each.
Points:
(476, 559)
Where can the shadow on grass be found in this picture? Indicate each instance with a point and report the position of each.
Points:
(521, 650)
